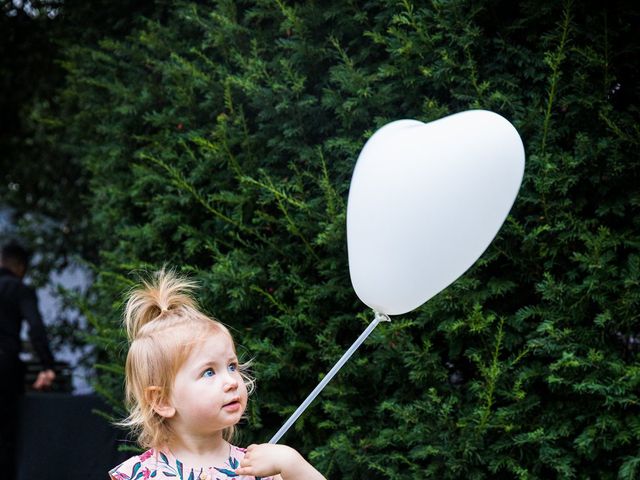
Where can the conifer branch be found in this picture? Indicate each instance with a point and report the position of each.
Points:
(282, 199)
(182, 183)
(332, 199)
(279, 305)
(632, 138)
(277, 194)
(491, 376)
(555, 61)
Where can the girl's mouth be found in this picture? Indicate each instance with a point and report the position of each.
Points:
(232, 406)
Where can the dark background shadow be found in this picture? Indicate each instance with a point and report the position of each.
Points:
(62, 437)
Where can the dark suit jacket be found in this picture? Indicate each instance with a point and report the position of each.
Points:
(18, 302)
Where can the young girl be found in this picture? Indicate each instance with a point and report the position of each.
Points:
(186, 392)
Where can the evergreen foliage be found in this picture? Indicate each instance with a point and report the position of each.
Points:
(38, 182)
(220, 138)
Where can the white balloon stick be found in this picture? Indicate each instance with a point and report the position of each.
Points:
(363, 336)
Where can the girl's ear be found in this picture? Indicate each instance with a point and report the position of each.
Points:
(159, 403)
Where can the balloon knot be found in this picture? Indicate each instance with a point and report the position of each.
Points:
(382, 317)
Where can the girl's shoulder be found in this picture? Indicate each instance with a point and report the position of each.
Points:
(138, 467)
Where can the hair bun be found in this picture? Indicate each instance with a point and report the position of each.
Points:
(164, 292)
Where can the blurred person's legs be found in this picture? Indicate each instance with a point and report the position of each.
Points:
(11, 388)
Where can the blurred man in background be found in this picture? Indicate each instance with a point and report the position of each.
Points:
(18, 303)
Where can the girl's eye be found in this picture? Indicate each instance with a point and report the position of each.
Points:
(208, 372)
(233, 367)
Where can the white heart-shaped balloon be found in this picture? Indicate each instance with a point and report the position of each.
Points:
(425, 201)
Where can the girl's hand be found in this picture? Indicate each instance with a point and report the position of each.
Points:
(266, 459)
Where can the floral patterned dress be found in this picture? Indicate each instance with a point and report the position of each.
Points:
(161, 465)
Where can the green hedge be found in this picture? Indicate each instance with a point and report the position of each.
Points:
(220, 138)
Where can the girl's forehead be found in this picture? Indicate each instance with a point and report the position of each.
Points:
(214, 346)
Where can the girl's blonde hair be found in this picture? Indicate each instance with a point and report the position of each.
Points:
(163, 324)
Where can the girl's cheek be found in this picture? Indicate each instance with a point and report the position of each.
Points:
(243, 391)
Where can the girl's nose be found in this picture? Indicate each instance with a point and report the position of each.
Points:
(231, 384)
